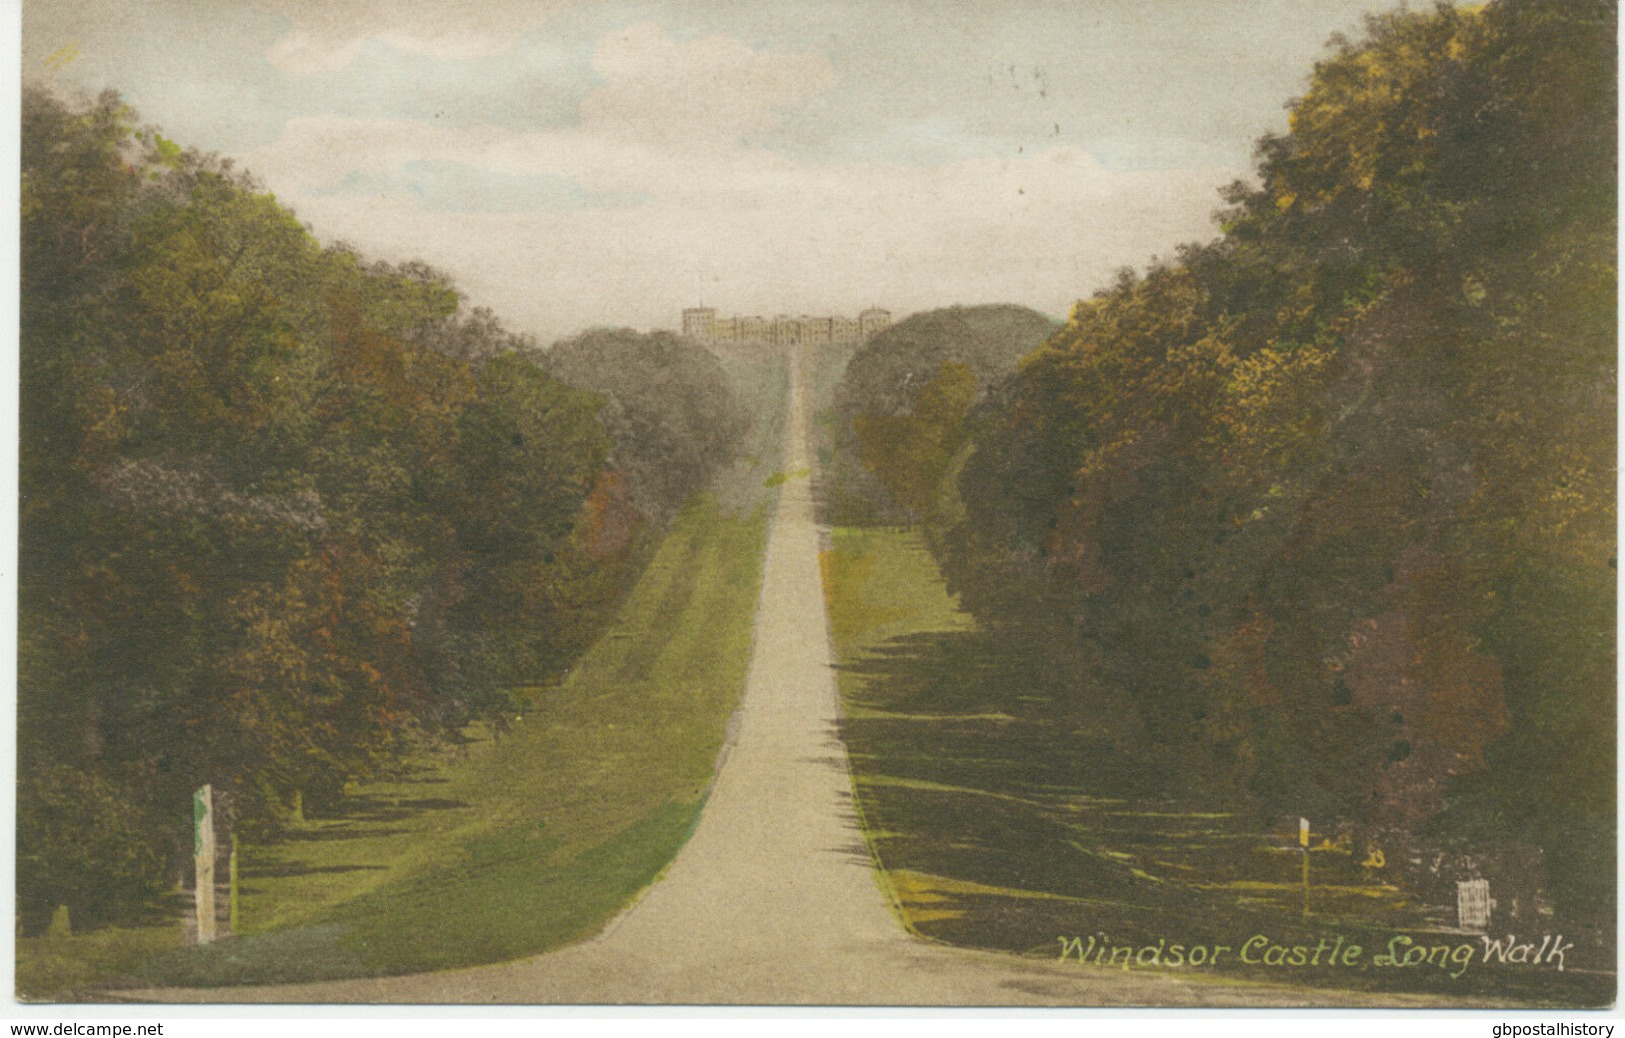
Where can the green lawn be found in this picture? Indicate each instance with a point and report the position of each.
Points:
(54, 966)
(519, 844)
(760, 379)
(1003, 819)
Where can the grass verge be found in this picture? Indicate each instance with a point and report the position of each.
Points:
(518, 845)
(1001, 819)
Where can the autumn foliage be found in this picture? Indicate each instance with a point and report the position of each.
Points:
(1330, 500)
(284, 512)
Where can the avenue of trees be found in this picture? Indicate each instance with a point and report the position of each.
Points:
(1322, 513)
(284, 512)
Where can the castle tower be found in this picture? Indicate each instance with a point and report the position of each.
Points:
(699, 323)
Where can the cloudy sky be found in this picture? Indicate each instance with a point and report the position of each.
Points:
(582, 162)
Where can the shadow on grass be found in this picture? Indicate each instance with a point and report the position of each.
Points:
(365, 816)
(960, 708)
(1003, 825)
(305, 953)
(365, 807)
(360, 817)
(299, 868)
(501, 901)
(339, 834)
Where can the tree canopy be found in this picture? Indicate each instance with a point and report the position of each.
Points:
(1330, 499)
(284, 511)
(904, 396)
(671, 409)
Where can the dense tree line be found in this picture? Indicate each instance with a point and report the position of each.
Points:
(1322, 512)
(900, 406)
(668, 407)
(284, 512)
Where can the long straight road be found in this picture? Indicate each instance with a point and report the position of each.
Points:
(774, 899)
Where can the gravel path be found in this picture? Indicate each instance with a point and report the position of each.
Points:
(774, 899)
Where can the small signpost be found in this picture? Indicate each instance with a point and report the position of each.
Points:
(203, 852)
(1303, 844)
(232, 894)
(1474, 905)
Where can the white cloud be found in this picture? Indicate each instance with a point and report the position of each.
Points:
(745, 228)
(667, 108)
(705, 92)
(319, 151)
(326, 35)
(756, 234)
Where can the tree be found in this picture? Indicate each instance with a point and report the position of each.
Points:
(1326, 497)
(884, 381)
(284, 511)
(671, 411)
(910, 453)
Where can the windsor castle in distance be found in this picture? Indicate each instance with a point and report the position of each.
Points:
(701, 324)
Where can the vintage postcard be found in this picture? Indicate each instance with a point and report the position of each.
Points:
(828, 503)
